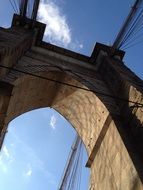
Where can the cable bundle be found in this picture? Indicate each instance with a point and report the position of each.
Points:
(71, 179)
(131, 32)
(15, 4)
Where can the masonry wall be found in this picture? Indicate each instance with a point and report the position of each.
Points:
(79, 107)
(124, 84)
(111, 129)
(112, 167)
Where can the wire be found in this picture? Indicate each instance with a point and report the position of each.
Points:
(15, 4)
(80, 168)
(12, 6)
(130, 41)
(71, 85)
(70, 177)
(73, 182)
(137, 25)
(19, 3)
(132, 45)
(131, 28)
(30, 5)
(126, 24)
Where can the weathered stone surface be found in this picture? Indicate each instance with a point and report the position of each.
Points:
(117, 171)
(5, 95)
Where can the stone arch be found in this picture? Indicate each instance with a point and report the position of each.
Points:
(92, 115)
(79, 107)
(101, 72)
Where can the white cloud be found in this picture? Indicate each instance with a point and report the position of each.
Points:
(57, 29)
(28, 171)
(33, 163)
(6, 159)
(36, 164)
(80, 46)
(53, 122)
(6, 152)
(3, 166)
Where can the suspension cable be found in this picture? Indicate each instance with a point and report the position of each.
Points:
(72, 175)
(12, 5)
(132, 22)
(131, 30)
(16, 6)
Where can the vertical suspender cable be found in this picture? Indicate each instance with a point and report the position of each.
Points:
(23, 7)
(35, 9)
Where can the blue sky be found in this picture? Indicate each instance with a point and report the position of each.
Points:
(35, 151)
(76, 25)
(79, 25)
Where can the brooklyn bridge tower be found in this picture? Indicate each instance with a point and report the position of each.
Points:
(99, 95)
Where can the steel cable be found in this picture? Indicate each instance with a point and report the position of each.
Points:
(132, 28)
(133, 21)
(13, 7)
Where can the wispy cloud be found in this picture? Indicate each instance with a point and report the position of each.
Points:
(3, 166)
(53, 122)
(7, 155)
(81, 46)
(5, 159)
(28, 171)
(6, 152)
(57, 30)
(35, 162)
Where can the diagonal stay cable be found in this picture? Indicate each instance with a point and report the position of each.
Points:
(137, 29)
(66, 177)
(132, 14)
(133, 45)
(71, 85)
(74, 170)
(137, 22)
(80, 172)
(134, 40)
(16, 6)
(19, 3)
(132, 27)
(137, 36)
(137, 26)
(12, 6)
